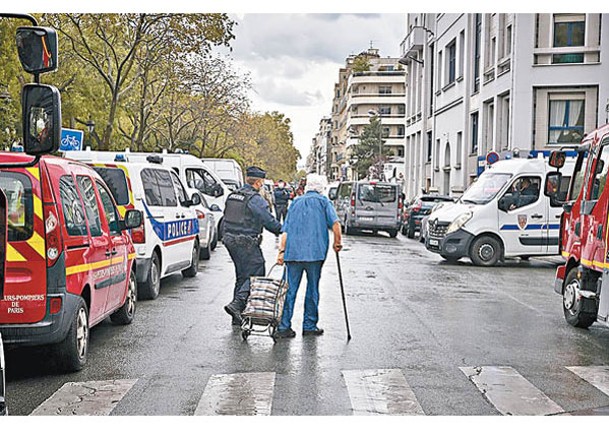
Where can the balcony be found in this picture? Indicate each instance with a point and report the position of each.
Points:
(413, 42)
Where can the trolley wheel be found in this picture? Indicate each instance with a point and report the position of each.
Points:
(245, 334)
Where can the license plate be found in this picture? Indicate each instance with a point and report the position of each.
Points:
(433, 242)
(364, 218)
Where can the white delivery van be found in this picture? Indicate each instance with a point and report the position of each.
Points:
(228, 170)
(192, 172)
(505, 213)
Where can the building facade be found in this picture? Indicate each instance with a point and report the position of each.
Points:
(497, 82)
(319, 158)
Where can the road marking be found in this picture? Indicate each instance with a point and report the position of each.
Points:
(85, 398)
(384, 391)
(509, 392)
(595, 375)
(238, 394)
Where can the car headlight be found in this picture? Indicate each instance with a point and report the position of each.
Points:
(461, 220)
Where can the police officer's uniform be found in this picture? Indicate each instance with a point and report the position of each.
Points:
(282, 196)
(245, 215)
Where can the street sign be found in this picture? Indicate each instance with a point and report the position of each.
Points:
(492, 157)
(71, 140)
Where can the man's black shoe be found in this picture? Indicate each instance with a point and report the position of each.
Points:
(233, 311)
(288, 333)
(317, 331)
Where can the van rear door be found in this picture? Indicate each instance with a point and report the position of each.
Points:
(25, 285)
(376, 203)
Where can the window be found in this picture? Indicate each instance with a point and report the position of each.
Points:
(386, 132)
(493, 51)
(18, 190)
(431, 78)
(508, 40)
(109, 210)
(72, 207)
(600, 174)
(459, 148)
(87, 191)
(474, 135)
(151, 188)
(182, 197)
(440, 66)
(477, 38)
(344, 191)
(569, 31)
(400, 131)
(158, 188)
(566, 121)
(524, 191)
(384, 90)
(429, 145)
(451, 59)
(384, 110)
(503, 135)
(461, 52)
(489, 121)
(116, 181)
(377, 193)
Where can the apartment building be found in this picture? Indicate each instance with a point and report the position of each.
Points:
(497, 82)
(368, 84)
(319, 158)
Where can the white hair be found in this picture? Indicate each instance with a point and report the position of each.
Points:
(316, 182)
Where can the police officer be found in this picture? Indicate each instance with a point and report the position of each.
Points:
(282, 196)
(245, 215)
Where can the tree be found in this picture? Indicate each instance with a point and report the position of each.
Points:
(361, 63)
(122, 48)
(368, 153)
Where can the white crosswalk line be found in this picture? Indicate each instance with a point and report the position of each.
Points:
(509, 392)
(383, 391)
(85, 398)
(595, 375)
(238, 394)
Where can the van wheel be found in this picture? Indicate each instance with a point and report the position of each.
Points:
(572, 304)
(449, 259)
(410, 234)
(124, 315)
(72, 351)
(205, 253)
(194, 264)
(485, 251)
(150, 288)
(393, 233)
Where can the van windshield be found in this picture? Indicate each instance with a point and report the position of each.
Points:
(485, 188)
(18, 190)
(377, 193)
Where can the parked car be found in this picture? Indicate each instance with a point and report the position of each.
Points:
(420, 207)
(69, 260)
(168, 240)
(368, 205)
(228, 170)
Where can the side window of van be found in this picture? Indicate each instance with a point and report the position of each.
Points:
(179, 188)
(85, 185)
(18, 190)
(523, 191)
(109, 210)
(151, 188)
(168, 192)
(72, 207)
(194, 180)
(600, 174)
(116, 182)
(158, 188)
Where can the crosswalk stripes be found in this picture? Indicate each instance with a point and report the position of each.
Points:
(86, 398)
(385, 391)
(595, 375)
(238, 394)
(370, 392)
(509, 392)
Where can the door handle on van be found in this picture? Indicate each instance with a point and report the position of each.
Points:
(111, 253)
(180, 216)
(536, 216)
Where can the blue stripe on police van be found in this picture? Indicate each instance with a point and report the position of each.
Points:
(167, 231)
(508, 227)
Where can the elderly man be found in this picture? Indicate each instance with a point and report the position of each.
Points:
(245, 215)
(304, 246)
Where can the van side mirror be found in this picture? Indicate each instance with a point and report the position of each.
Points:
(557, 159)
(504, 203)
(215, 208)
(552, 185)
(217, 190)
(133, 219)
(37, 49)
(41, 119)
(195, 199)
(332, 195)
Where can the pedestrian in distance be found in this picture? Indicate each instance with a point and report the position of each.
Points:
(245, 215)
(267, 195)
(282, 197)
(304, 247)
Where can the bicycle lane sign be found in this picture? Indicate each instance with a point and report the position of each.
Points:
(71, 140)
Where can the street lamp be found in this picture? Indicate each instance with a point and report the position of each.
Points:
(90, 127)
(373, 114)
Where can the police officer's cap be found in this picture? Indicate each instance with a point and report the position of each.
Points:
(255, 172)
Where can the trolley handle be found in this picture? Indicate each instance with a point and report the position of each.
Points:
(283, 272)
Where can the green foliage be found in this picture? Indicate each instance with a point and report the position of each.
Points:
(368, 151)
(361, 64)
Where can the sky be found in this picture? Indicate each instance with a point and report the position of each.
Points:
(293, 60)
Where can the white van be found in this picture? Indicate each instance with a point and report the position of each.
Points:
(168, 239)
(505, 213)
(192, 172)
(228, 170)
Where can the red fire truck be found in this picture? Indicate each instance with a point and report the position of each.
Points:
(584, 232)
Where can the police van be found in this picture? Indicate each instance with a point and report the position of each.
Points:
(168, 240)
(192, 172)
(505, 213)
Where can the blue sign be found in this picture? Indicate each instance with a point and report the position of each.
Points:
(71, 140)
(492, 157)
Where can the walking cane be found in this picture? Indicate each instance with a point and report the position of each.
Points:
(342, 290)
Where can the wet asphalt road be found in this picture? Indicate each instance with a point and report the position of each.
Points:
(408, 310)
